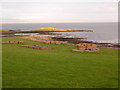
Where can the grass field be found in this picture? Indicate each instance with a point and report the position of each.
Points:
(57, 68)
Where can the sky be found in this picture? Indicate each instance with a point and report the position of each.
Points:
(58, 11)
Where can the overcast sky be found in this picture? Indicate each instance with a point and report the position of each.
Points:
(46, 11)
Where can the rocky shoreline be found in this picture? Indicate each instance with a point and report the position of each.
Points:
(72, 40)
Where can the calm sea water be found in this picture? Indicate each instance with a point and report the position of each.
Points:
(102, 32)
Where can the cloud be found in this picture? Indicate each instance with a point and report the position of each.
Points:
(59, 12)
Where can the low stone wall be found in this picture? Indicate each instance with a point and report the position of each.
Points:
(84, 47)
(14, 42)
(36, 47)
(55, 42)
(86, 44)
(86, 50)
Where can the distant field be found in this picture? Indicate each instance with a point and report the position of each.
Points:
(57, 68)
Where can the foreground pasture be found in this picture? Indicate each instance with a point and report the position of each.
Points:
(58, 67)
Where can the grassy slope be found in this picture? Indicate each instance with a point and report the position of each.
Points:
(57, 68)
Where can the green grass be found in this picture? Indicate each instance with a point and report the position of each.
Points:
(57, 68)
(0, 64)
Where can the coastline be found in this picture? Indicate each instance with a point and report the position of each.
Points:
(74, 42)
(102, 32)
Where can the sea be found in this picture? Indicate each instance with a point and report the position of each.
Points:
(102, 32)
